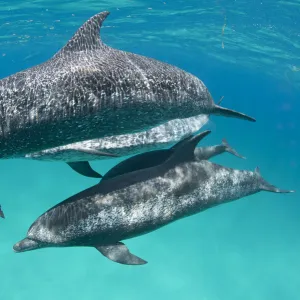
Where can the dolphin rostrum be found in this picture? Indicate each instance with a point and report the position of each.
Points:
(90, 90)
(139, 202)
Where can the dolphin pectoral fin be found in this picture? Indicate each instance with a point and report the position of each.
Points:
(222, 111)
(84, 168)
(119, 253)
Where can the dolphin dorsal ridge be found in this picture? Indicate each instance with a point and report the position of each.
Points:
(87, 37)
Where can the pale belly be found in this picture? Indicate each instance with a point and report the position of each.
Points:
(128, 144)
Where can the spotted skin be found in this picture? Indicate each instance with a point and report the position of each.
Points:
(89, 90)
(139, 202)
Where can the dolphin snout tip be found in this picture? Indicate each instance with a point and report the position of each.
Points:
(26, 245)
(17, 247)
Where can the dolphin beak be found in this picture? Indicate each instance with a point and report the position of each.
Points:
(26, 245)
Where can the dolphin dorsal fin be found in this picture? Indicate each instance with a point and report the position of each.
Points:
(257, 171)
(87, 37)
(185, 151)
(181, 142)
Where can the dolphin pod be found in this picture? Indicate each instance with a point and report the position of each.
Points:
(91, 101)
(89, 90)
(140, 201)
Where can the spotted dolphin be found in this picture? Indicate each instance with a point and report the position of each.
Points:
(90, 90)
(151, 159)
(139, 202)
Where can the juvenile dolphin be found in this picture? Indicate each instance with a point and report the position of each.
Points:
(89, 90)
(139, 202)
(151, 159)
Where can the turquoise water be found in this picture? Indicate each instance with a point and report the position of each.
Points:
(247, 249)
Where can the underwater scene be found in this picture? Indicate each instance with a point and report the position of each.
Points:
(149, 149)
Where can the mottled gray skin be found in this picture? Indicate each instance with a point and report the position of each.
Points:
(140, 202)
(89, 90)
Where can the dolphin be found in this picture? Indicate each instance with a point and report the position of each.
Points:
(157, 137)
(140, 202)
(1, 213)
(90, 90)
(151, 159)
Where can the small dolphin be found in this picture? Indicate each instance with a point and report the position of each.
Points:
(139, 202)
(89, 90)
(151, 159)
(1, 213)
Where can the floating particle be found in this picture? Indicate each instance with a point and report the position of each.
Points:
(223, 30)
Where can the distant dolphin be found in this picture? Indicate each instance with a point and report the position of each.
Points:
(139, 202)
(1, 213)
(89, 90)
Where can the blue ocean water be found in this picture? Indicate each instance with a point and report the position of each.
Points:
(247, 249)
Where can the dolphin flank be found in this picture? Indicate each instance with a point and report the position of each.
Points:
(89, 90)
(141, 201)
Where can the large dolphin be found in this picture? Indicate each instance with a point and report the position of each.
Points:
(139, 202)
(89, 90)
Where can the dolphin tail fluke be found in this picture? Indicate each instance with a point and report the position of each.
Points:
(222, 111)
(84, 168)
(229, 149)
(266, 186)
